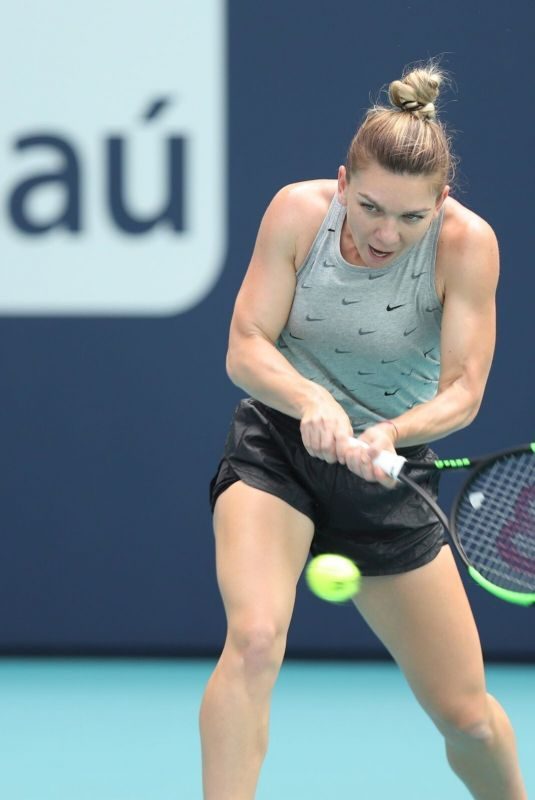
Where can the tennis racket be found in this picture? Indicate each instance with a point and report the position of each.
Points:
(492, 520)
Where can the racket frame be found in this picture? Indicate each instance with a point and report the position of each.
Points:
(398, 467)
(508, 595)
(448, 464)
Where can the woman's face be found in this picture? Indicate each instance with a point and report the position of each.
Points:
(387, 212)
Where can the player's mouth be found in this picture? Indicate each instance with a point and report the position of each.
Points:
(380, 255)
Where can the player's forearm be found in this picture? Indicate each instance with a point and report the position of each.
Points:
(451, 410)
(256, 366)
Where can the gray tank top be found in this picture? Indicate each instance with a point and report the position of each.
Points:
(370, 336)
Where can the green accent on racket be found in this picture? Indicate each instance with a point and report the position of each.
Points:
(519, 598)
(453, 463)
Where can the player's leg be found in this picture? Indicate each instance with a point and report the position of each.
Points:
(424, 619)
(261, 547)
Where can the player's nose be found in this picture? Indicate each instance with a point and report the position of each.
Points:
(387, 236)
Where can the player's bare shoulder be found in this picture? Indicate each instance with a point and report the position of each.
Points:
(299, 209)
(467, 247)
(463, 228)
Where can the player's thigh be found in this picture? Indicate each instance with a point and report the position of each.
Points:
(424, 619)
(262, 544)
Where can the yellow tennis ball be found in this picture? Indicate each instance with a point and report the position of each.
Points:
(332, 577)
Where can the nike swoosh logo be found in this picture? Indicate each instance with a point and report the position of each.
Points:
(296, 337)
(373, 276)
(408, 333)
(389, 394)
(426, 352)
(304, 286)
(392, 308)
(409, 373)
(361, 372)
(155, 109)
(314, 319)
(435, 308)
(415, 275)
(389, 360)
(328, 265)
(349, 302)
(336, 350)
(362, 332)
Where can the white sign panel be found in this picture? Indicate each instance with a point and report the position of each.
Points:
(113, 156)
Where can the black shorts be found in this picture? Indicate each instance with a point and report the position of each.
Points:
(385, 531)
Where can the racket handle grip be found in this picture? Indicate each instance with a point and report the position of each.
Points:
(389, 462)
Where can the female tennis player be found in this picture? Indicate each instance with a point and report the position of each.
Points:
(368, 309)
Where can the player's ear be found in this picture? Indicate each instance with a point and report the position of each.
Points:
(440, 199)
(342, 185)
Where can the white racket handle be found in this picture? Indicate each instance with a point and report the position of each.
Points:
(389, 462)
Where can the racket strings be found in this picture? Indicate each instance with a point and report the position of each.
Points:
(495, 522)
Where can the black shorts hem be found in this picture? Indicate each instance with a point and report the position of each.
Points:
(397, 568)
(228, 473)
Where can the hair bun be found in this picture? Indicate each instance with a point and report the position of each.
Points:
(417, 91)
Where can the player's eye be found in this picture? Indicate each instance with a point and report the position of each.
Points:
(412, 217)
(368, 207)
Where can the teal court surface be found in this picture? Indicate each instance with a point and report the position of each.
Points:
(127, 730)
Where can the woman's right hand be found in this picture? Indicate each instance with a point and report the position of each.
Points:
(325, 428)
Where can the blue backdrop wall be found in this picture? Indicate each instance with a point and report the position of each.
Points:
(111, 424)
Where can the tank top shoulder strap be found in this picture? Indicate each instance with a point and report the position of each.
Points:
(428, 255)
(327, 230)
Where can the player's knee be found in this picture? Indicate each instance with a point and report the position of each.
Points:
(476, 730)
(467, 721)
(259, 646)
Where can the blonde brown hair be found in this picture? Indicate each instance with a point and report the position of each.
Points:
(407, 137)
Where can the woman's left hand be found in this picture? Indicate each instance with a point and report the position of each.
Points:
(360, 460)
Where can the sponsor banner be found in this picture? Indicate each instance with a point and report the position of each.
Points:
(113, 157)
